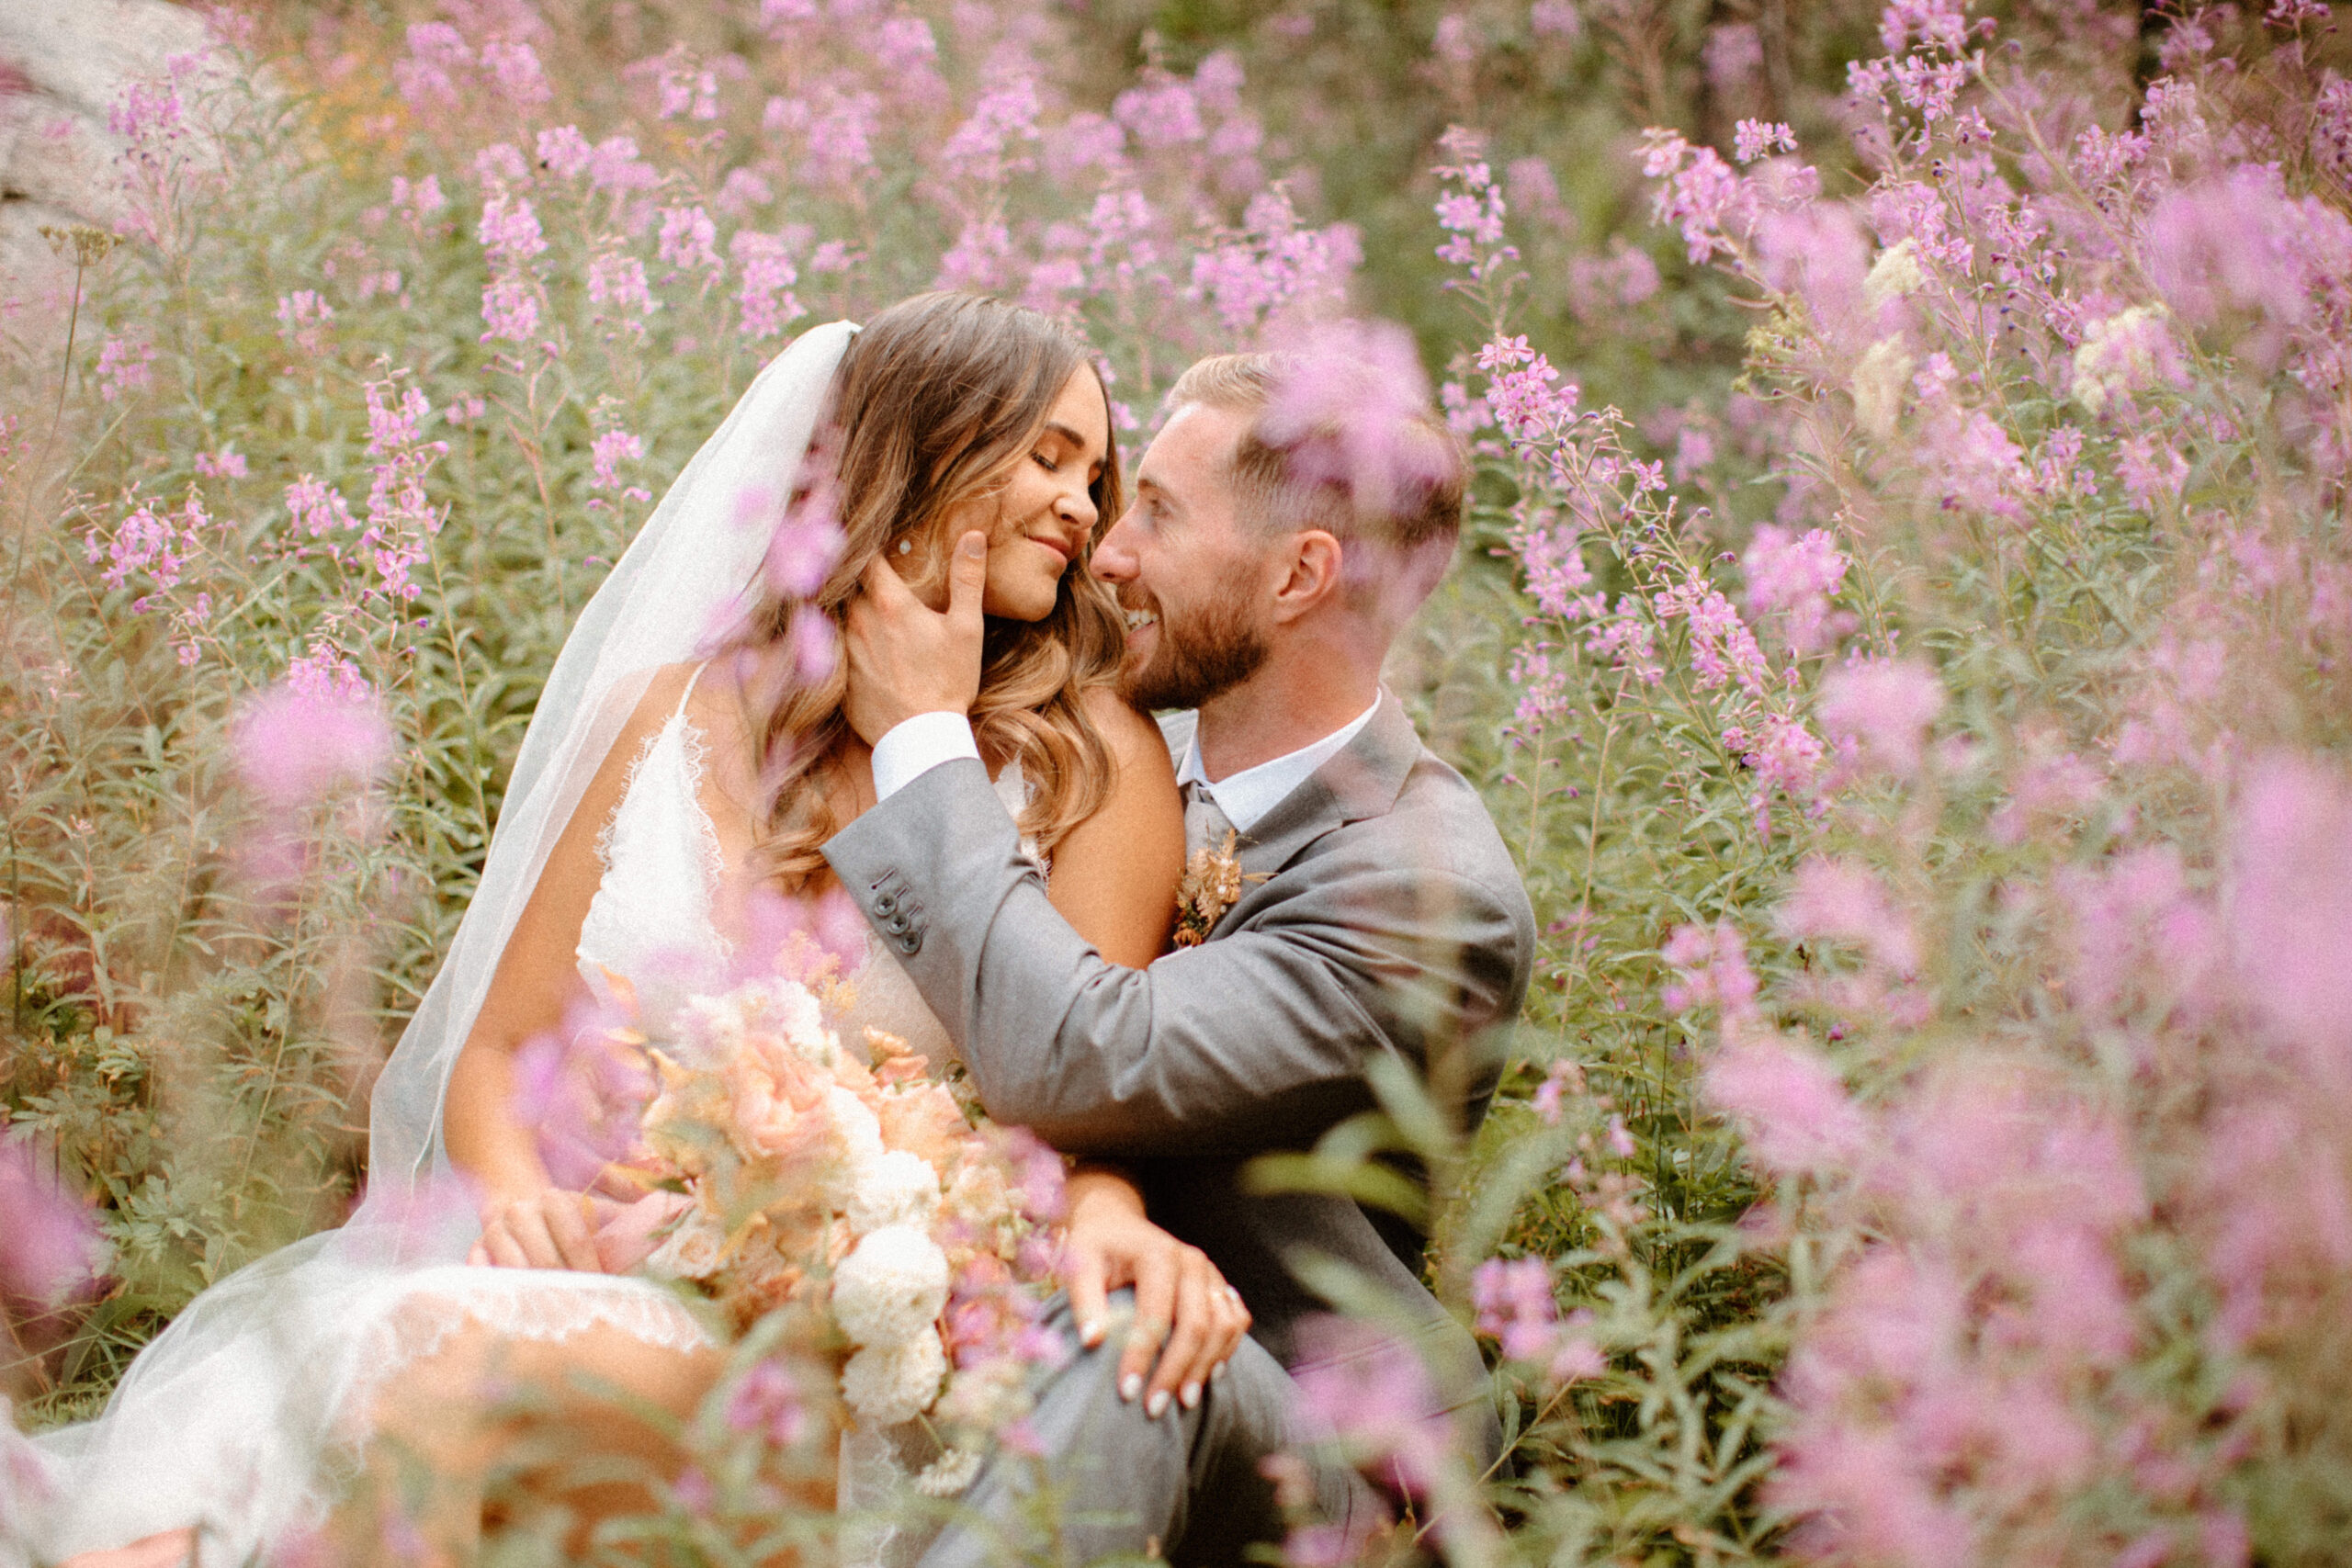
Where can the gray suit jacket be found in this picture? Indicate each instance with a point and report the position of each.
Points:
(1391, 921)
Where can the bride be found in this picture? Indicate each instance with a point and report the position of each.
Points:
(689, 750)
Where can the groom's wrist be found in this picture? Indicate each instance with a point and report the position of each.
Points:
(914, 746)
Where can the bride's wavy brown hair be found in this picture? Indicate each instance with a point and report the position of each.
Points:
(936, 399)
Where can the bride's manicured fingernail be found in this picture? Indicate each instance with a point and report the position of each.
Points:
(1089, 1332)
(1216, 1373)
(1156, 1405)
(1130, 1386)
(1191, 1395)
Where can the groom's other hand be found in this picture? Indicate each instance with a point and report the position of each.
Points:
(906, 658)
(1188, 1320)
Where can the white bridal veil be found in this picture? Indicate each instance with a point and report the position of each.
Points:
(226, 1416)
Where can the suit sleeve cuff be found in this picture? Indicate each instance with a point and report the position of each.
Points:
(915, 745)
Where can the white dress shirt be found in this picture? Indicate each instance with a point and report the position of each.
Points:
(915, 745)
(1245, 797)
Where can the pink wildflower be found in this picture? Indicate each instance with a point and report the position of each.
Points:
(1698, 192)
(768, 1402)
(2290, 908)
(509, 229)
(610, 451)
(316, 507)
(1841, 900)
(687, 240)
(1514, 1305)
(1160, 113)
(614, 164)
(564, 151)
(510, 310)
(617, 279)
(1753, 139)
(2150, 466)
(1005, 117)
(1879, 710)
(514, 67)
(302, 317)
(1373, 1391)
(423, 75)
(1795, 578)
(764, 304)
(1791, 1105)
(1711, 966)
(1564, 1078)
(125, 364)
(294, 746)
(50, 1250)
(1350, 407)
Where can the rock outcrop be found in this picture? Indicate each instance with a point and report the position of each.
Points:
(63, 65)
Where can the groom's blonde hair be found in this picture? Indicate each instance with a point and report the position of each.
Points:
(1398, 545)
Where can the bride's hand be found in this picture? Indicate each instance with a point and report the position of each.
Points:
(543, 1229)
(1188, 1320)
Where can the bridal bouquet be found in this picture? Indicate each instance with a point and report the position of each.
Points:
(784, 1171)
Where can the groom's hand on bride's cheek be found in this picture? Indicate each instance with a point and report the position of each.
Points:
(905, 657)
(543, 1229)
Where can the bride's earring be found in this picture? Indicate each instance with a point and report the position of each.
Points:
(906, 546)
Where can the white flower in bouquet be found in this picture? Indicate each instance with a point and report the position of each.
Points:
(800, 1020)
(891, 1287)
(717, 1024)
(899, 1188)
(978, 1196)
(694, 1250)
(857, 1132)
(854, 1142)
(888, 1384)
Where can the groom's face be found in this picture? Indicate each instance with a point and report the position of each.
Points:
(1193, 581)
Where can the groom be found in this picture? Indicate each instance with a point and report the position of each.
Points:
(1378, 915)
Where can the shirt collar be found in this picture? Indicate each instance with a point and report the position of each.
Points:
(1248, 796)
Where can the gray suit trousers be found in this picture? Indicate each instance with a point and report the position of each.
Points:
(1113, 1484)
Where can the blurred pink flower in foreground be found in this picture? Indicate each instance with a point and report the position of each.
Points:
(1877, 711)
(294, 745)
(49, 1248)
(1371, 1390)
(1351, 407)
(1791, 1105)
(2290, 907)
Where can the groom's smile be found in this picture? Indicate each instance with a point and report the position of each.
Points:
(1186, 573)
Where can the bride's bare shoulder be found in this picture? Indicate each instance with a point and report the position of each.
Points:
(717, 709)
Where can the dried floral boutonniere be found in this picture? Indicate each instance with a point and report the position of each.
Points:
(1212, 885)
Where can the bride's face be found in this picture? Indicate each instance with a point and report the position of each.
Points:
(1039, 516)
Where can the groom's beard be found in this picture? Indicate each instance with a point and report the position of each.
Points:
(1213, 650)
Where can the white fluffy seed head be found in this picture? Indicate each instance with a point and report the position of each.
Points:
(888, 1384)
(899, 1188)
(891, 1287)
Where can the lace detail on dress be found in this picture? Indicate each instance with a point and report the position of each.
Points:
(651, 917)
(541, 1305)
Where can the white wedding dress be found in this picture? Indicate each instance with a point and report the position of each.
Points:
(242, 1415)
(267, 1465)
